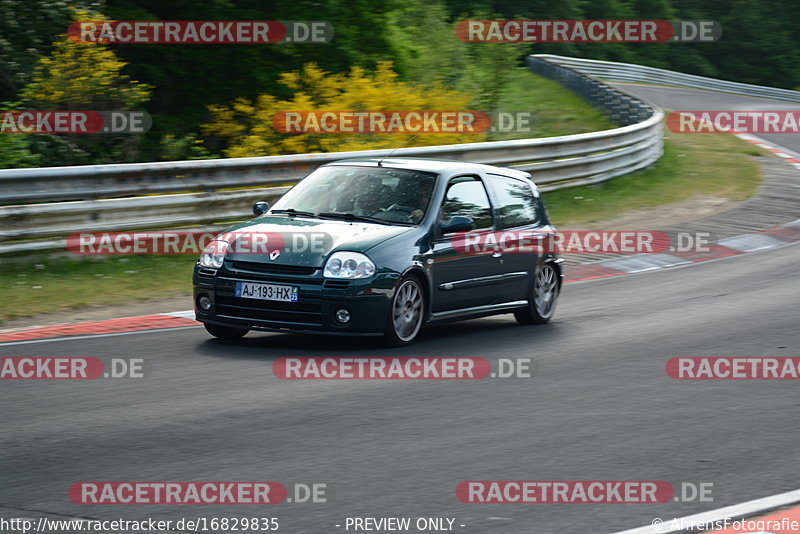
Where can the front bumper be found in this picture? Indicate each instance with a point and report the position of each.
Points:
(368, 301)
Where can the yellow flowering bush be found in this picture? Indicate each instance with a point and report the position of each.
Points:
(247, 125)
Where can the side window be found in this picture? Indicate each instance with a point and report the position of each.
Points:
(466, 197)
(518, 206)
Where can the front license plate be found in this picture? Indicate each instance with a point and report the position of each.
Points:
(249, 290)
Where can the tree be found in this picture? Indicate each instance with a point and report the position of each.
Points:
(27, 30)
(423, 38)
(83, 76)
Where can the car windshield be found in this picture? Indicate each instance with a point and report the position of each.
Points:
(398, 196)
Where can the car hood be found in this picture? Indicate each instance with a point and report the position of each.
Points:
(303, 242)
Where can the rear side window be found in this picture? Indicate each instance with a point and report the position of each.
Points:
(466, 197)
(518, 206)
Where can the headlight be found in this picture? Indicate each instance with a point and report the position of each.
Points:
(214, 254)
(348, 265)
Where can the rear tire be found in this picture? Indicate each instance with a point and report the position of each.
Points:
(542, 301)
(225, 332)
(406, 314)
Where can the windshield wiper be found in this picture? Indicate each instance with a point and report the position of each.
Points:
(352, 217)
(292, 211)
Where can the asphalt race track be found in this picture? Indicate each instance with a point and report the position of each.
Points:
(679, 99)
(598, 407)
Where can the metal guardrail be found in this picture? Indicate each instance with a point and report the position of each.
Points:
(90, 195)
(630, 72)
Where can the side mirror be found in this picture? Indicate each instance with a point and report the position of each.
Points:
(260, 208)
(457, 224)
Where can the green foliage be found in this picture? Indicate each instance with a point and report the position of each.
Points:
(27, 30)
(83, 76)
(759, 41)
(177, 84)
(423, 39)
(183, 148)
(189, 78)
(15, 152)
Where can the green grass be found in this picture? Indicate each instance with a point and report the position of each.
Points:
(555, 111)
(61, 284)
(718, 165)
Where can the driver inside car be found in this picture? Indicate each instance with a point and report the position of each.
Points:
(370, 201)
(412, 203)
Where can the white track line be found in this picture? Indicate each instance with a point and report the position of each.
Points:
(187, 314)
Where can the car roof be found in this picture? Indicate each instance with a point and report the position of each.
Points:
(438, 166)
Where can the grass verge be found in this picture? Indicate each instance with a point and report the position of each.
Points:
(718, 165)
(554, 111)
(64, 283)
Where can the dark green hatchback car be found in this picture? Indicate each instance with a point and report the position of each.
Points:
(383, 247)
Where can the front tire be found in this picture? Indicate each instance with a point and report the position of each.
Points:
(406, 313)
(225, 332)
(542, 302)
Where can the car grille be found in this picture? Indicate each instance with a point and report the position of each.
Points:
(299, 313)
(273, 268)
(335, 284)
